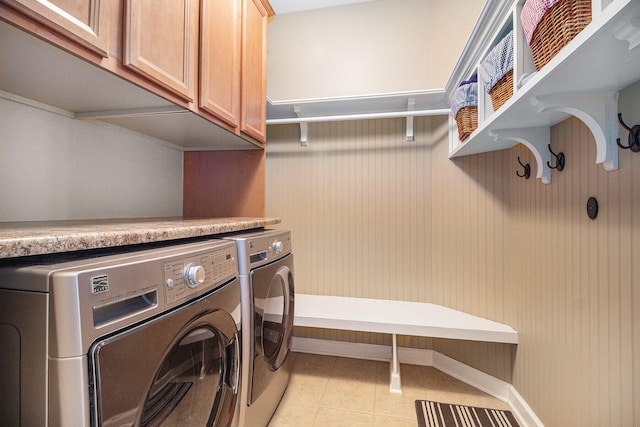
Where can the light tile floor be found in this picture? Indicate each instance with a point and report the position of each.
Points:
(328, 391)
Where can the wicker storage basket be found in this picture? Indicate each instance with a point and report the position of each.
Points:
(496, 71)
(557, 28)
(464, 107)
(502, 91)
(467, 121)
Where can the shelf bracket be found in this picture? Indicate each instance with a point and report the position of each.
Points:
(304, 127)
(596, 110)
(536, 139)
(411, 105)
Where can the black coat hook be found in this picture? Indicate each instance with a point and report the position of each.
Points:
(634, 136)
(526, 172)
(559, 160)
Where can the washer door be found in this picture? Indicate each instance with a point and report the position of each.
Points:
(273, 292)
(179, 369)
(275, 318)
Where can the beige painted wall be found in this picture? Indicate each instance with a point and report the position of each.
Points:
(367, 48)
(53, 167)
(374, 216)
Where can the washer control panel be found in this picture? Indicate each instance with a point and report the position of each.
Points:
(268, 249)
(257, 249)
(277, 246)
(188, 276)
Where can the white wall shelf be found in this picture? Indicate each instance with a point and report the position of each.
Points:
(582, 80)
(366, 107)
(397, 318)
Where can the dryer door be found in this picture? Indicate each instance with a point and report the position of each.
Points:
(273, 292)
(179, 369)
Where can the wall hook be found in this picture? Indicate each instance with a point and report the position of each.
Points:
(527, 170)
(559, 159)
(634, 136)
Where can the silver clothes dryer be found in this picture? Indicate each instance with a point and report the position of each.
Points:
(265, 264)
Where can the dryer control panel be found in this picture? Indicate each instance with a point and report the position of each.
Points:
(188, 276)
(256, 249)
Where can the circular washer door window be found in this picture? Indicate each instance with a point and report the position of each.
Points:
(277, 318)
(190, 386)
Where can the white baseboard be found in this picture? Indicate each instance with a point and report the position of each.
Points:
(412, 356)
(519, 407)
(380, 353)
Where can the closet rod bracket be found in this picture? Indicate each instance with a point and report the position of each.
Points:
(411, 106)
(304, 127)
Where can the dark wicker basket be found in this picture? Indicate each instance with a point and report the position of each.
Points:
(467, 121)
(502, 90)
(557, 28)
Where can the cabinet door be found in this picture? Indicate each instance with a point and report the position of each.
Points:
(220, 32)
(254, 67)
(161, 42)
(85, 21)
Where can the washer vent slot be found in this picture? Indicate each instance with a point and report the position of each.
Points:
(121, 309)
(260, 256)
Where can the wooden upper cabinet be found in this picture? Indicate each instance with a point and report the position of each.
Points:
(254, 68)
(160, 42)
(207, 56)
(85, 21)
(220, 32)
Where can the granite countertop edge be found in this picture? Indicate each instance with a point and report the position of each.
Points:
(18, 239)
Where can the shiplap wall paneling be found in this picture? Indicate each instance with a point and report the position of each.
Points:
(469, 201)
(502, 247)
(572, 275)
(630, 238)
(468, 232)
(357, 200)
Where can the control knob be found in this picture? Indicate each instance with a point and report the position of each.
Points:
(277, 246)
(194, 274)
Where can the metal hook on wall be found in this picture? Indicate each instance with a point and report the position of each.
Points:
(634, 136)
(559, 160)
(526, 172)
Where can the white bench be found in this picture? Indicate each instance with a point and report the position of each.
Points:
(397, 318)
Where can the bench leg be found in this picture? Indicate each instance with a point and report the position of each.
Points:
(395, 385)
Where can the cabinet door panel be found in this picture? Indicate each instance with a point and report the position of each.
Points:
(254, 54)
(161, 41)
(85, 21)
(220, 29)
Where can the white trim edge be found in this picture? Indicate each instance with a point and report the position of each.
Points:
(521, 409)
(412, 356)
(36, 104)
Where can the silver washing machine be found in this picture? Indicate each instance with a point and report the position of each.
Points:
(122, 338)
(265, 263)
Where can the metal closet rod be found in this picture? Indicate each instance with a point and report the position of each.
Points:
(363, 116)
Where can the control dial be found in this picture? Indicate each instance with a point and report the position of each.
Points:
(194, 274)
(277, 246)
